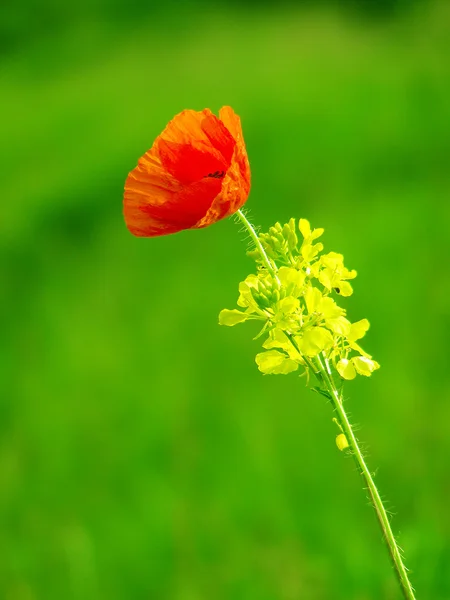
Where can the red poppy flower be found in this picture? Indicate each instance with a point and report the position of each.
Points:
(195, 174)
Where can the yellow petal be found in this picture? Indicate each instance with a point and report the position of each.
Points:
(365, 366)
(275, 363)
(346, 369)
(341, 441)
(305, 228)
(358, 330)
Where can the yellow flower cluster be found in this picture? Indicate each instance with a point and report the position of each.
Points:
(294, 301)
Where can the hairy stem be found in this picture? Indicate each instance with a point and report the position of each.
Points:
(375, 498)
(321, 369)
(251, 230)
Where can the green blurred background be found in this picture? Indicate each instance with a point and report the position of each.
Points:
(142, 454)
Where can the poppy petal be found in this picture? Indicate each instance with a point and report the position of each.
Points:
(232, 122)
(233, 195)
(157, 205)
(236, 184)
(186, 126)
(196, 173)
(190, 162)
(219, 136)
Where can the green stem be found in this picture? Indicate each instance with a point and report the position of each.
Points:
(251, 230)
(322, 371)
(375, 498)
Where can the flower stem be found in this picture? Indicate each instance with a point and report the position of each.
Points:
(394, 550)
(251, 230)
(321, 368)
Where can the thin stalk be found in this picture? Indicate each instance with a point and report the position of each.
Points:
(375, 498)
(322, 371)
(251, 230)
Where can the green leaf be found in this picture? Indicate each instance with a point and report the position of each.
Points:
(265, 328)
(232, 317)
(346, 369)
(273, 362)
(321, 392)
(315, 340)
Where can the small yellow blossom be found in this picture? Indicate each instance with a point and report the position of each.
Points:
(301, 319)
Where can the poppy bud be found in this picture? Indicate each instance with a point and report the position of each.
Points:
(195, 174)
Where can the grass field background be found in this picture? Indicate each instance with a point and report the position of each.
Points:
(142, 454)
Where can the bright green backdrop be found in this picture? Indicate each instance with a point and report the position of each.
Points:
(142, 455)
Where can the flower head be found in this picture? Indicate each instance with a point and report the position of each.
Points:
(195, 174)
(295, 305)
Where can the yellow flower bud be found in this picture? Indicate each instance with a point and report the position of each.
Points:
(341, 442)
